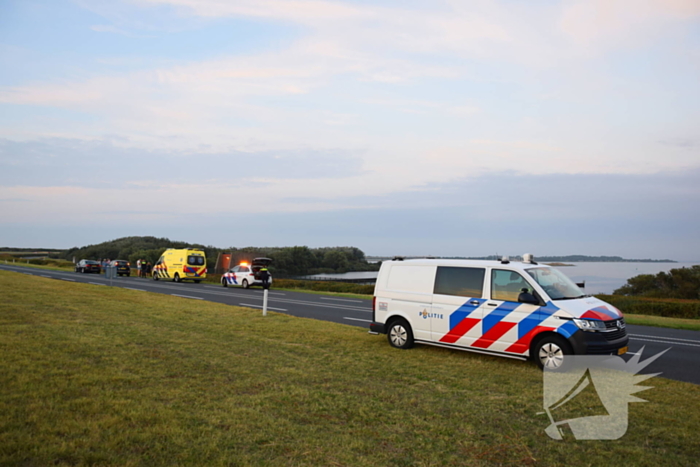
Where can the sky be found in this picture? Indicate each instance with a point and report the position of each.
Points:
(446, 128)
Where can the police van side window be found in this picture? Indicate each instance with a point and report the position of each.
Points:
(462, 282)
(507, 285)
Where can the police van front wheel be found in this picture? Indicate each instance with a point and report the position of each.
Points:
(224, 282)
(550, 352)
(400, 334)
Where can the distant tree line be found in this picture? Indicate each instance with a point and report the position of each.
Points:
(579, 259)
(301, 260)
(677, 283)
(599, 259)
(286, 261)
(133, 249)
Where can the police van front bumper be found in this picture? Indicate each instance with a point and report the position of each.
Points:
(599, 343)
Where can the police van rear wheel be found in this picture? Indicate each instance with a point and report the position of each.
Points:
(176, 278)
(550, 353)
(400, 334)
(245, 284)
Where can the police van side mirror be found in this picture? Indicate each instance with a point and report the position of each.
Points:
(527, 297)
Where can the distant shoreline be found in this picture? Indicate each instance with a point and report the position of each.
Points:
(558, 260)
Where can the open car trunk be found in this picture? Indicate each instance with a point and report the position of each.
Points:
(257, 264)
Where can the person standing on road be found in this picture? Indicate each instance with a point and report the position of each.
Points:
(138, 268)
(147, 272)
(265, 278)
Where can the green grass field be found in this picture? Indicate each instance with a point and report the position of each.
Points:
(102, 376)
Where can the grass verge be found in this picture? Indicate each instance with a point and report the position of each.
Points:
(663, 322)
(68, 267)
(99, 375)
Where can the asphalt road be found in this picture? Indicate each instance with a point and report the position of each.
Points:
(680, 362)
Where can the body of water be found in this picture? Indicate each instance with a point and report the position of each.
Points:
(606, 277)
(600, 278)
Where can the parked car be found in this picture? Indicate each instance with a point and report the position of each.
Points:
(123, 267)
(88, 265)
(245, 274)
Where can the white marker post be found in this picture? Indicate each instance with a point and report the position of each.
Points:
(265, 302)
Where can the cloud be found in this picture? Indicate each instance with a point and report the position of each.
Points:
(296, 10)
(115, 30)
(52, 162)
(496, 212)
(606, 23)
(685, 143)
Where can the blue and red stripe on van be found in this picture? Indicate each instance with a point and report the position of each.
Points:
(197, 273)
(493, 326)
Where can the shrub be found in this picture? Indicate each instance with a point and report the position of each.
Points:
(677, 283)
(324, 286)
(670, 308)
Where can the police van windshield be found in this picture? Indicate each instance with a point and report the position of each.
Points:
(195, 260)
(556, 284)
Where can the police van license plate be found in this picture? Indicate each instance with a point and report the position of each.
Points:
(622, 351)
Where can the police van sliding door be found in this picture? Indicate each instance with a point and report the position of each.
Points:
(457, 305)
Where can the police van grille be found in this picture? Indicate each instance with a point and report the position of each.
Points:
(616, 330)
(616, 323)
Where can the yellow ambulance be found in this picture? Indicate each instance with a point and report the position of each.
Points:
(181, 265)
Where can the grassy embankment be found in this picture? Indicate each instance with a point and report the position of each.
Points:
(99, 375)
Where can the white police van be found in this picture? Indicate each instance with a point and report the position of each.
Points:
(512, 309)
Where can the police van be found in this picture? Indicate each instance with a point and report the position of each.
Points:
(512, 309)
(181, 264)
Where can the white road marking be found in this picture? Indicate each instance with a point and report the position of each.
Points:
(358, 319)
(341, 299)
(260, 306)
(234, 287)
(666, 342)
(94, 283)
(186, 296)
(665, 338)
(64, 279)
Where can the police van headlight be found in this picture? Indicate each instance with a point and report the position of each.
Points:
(590, 324)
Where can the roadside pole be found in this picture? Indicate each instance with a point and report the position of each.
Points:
(265, 302)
